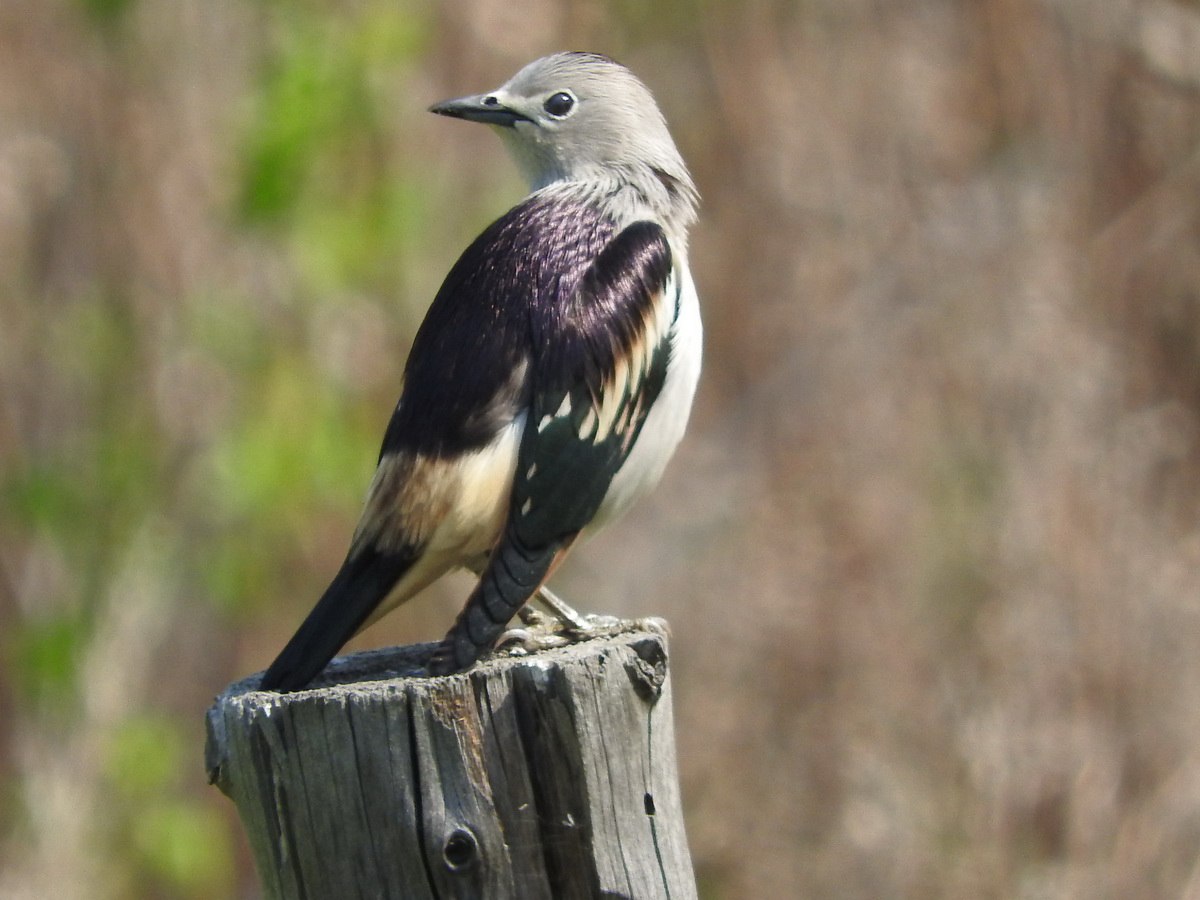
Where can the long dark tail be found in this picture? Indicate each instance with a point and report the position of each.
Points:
(513, 574)
(361, 585)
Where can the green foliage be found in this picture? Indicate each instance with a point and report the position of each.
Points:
(144, 756)
(43, 656)
(319, 161)
(311, 95)
(356, 240)
(79, 501)
(187, 847)
(43, 497)
(176, 841)
(294, 452)
(322, 175)
(98, 481)
(106, 12)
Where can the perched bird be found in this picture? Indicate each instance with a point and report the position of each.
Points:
(552, 377)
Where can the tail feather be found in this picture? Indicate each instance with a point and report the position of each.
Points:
(364, 580)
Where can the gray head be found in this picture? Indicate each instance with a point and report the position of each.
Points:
(585, 119)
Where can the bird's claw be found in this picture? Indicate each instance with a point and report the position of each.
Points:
(542, 632)
(523, 641)
(539, 632)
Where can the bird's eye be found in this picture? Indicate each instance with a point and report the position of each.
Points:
(559, 105)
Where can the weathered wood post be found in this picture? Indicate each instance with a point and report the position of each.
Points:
(545, 776)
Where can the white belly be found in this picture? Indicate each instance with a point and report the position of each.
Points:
(667, 419)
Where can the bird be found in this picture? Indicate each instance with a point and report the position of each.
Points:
(551, 379)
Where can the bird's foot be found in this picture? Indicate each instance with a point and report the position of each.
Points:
(539, 631)
(536, 632)
(558, 607)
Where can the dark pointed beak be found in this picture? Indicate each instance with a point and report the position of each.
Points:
(484, 108)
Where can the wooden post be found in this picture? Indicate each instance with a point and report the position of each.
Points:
(544, 776)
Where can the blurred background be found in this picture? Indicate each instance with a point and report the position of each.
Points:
(930, 549)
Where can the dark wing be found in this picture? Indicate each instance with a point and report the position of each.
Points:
(599, 364)
(460, 382)
(468, 375)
